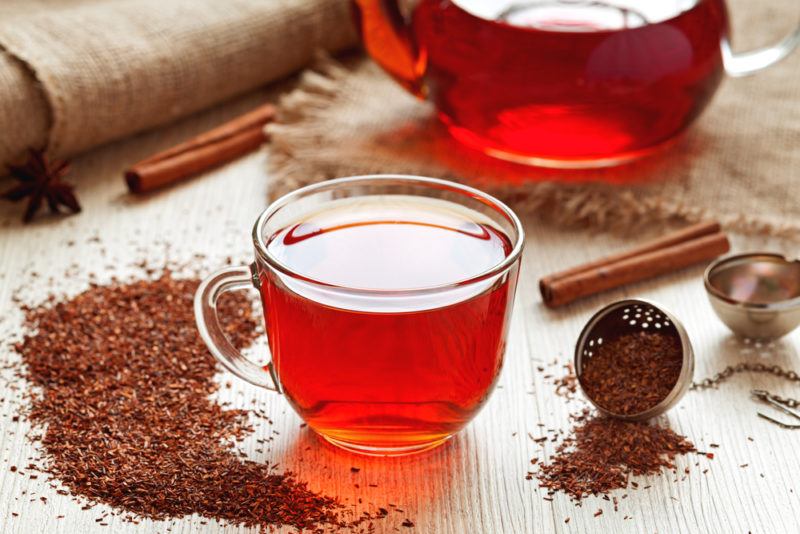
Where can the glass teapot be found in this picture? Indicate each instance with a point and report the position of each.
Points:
(560, 83)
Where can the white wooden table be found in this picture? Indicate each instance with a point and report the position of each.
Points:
(474, 484)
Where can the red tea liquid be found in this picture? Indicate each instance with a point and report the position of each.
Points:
(375, 371)
(555, 80)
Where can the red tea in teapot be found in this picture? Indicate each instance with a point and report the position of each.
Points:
(556, 82)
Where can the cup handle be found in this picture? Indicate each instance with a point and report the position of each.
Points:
(747, 63)
(205, 313)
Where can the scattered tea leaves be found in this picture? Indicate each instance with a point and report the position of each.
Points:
(124, 416)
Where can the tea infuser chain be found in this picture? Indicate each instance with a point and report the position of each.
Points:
(766, 396)
(786, 405)
(745, 367)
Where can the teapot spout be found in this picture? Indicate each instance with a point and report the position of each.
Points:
(385, 30)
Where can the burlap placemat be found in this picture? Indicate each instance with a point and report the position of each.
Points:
(77, 73)
(738, 164)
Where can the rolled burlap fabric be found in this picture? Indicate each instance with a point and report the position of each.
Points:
(78, 73)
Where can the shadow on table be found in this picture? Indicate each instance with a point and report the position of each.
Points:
(401, 485)
(731, 350)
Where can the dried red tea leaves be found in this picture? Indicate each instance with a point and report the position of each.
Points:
(125, 417)
(632, 373)
(567, 385)
(602, 453)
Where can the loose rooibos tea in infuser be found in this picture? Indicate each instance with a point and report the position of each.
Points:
(634, 360)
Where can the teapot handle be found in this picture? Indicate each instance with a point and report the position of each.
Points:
(747, 63)
(385, 32)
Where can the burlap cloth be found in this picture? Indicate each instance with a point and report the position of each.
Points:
(77, 73)
(738, 164)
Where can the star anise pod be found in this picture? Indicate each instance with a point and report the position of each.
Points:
(40, 181)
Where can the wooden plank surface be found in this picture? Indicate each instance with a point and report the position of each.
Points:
(475, 483)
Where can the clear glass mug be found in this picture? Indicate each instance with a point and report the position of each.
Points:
(372, 365)
(560, 83)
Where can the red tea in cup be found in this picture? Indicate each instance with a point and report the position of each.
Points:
(387, 307)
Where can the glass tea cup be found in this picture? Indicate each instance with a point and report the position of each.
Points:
(387, 302)
(560, 83)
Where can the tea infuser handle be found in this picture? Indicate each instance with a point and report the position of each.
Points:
(747, 63)
(211, 331)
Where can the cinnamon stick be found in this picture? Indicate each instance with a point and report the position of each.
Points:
(209, 149)
(679, 236)
(662, 256)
